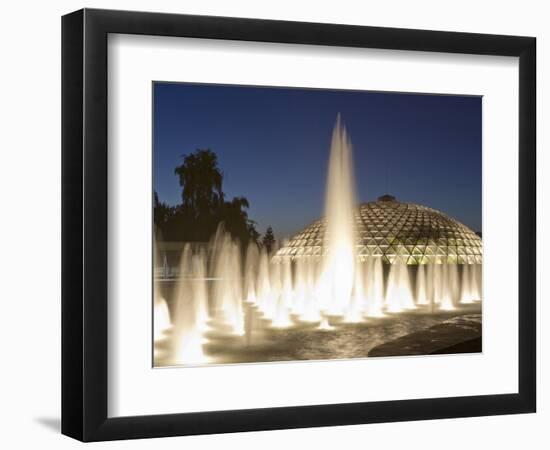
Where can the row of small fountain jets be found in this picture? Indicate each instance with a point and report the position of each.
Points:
(214, 285)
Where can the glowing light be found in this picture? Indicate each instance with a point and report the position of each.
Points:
(311, 315)
(448, 288)
(324, 325)
(399, 294)
(355, 310)
(421, 288)
(339, 261)
(475, 283)
(200, 290)
(466, 291)
(161, 316)
(189, 349)
(282, 320)
(375, 288)
(250, 275)
(228, 288)
(282, 314)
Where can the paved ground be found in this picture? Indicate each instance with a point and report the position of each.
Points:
(461, 334)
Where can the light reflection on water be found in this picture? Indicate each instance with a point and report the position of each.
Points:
(307, 342)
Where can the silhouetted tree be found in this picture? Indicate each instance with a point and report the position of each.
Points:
(252, 232)
(235, 217)
(269, 239)
(161, 212)
(203, 205)
(201, 180)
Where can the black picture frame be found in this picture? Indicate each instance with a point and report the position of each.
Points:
(84, 224)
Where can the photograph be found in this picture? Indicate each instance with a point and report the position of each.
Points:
(295, 224)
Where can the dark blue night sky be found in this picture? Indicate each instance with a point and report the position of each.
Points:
(273, 146)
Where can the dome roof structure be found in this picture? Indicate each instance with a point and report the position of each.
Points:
(396, 230)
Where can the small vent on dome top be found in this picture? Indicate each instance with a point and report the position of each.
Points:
(386, 198)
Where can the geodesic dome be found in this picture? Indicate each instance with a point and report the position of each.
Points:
(395, 230)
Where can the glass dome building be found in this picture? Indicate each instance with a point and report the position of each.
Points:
(395, 230)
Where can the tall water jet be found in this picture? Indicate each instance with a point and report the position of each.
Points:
(314, 296)
(270, 301)
(421, 288)
(161, 318)
(281, 317)
(336, 282)
(399, 293)
(284, 300)
(227, 290)
(250, 272)
(438, 283)
(479, 279)
(187, 339)
(465, 287)
(375, 287)
(233, 300)
(453, 284)
(356, 307)
(430, 284)
(286, 283)
(161, 313)
(263, 283)
(446, 294)
(282, 294)
(183, 301)
(300, 286)
(218, 256)
(200, 289)
(476, 280)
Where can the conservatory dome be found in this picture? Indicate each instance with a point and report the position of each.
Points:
(395, 230)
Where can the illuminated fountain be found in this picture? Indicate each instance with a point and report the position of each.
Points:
(421, 286)
(161, 313)
(199, 289)
(399, 295)
(339, 259)
(187, 336)
(227, 289)
(263, 284)
(358, 264)
(375, 288)
(475, 282)
(250, 273)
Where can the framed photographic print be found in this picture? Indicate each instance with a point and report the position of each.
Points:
(273, 224)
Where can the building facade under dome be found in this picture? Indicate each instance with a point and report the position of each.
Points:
(396, 230)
